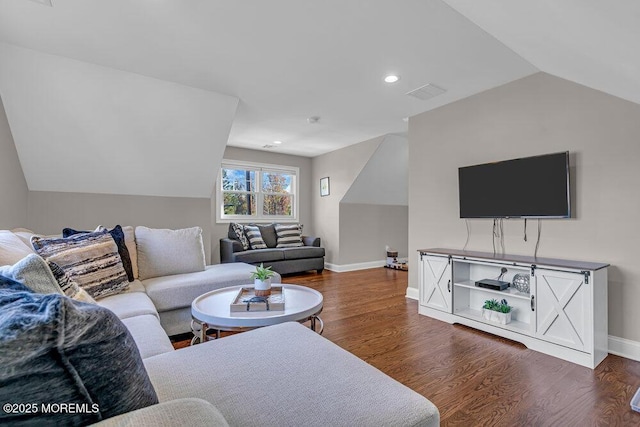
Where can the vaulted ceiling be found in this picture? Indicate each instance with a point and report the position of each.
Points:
(142, 97)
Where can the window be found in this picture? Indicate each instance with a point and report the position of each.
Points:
(256, 192)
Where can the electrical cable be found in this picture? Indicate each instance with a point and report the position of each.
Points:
(502, 235)
(535, 253)
(466, 221)
(525, 229)
(493, 237)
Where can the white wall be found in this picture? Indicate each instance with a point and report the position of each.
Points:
(537, 115)
(342, 167)
(13, 186)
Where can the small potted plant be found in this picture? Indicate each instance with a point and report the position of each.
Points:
(262, 280)
(499, 312)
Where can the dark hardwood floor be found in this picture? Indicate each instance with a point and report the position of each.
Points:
(474, 378)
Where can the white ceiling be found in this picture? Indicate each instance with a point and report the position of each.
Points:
(287, 60)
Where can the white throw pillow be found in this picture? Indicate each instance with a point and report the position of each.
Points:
(163, 252)
(130, 242)
(12, 248)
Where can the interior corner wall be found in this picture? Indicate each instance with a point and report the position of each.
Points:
(13, 186)
(365, 231)
(342, 167)
(219, 230)
(538, 114)
(49, 212)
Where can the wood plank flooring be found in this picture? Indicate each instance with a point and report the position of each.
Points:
(474, 378)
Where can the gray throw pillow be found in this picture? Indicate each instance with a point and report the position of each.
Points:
(55, 350)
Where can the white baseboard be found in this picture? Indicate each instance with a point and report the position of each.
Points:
(354, 267)
(412, 293)
(624, 348)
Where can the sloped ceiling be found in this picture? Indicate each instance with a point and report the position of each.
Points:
(591, 42)
(384, 179)
(162, 79)
(80, 127)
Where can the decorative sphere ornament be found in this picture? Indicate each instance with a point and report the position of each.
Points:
(521, 283)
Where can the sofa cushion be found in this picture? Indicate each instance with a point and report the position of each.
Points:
(12, 248)
(179, 291)
(118, 236)
(344, 389)
(190, 412)
(163, 252)
(289, 235)
(54, 350)
(129, 304)
(260, 255)
(91, 259)
(303, 252)
(149, 336)
(255, 238)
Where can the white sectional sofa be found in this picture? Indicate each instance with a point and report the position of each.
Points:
(283, 375)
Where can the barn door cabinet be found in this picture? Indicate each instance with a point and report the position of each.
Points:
(564, 314)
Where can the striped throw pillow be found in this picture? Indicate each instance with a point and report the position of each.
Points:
(91, 260)
(289, 236)
(255, 238)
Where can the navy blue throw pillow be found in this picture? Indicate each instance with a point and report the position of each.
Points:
(118, 237)
(76, 362)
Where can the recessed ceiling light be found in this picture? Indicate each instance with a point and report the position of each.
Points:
(277, 142)
(313, 119)
(391, 78)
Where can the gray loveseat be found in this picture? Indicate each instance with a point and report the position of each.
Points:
(282, 260)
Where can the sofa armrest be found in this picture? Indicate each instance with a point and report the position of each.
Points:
(187, 412)
(311, 241)
(227, 249)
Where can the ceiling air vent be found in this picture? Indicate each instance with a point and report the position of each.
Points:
(44, 2)
(427, 91)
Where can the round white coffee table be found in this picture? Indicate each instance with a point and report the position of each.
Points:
(211, 311)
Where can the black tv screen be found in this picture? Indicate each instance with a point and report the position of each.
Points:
(531, 187)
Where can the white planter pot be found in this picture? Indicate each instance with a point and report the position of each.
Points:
(262, 287)
(496, 317)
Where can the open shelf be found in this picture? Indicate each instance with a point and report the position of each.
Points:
(514, 325)
(511, 292)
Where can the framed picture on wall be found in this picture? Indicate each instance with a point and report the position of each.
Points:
(324, 186)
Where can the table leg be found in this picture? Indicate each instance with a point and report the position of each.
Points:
(315, 319)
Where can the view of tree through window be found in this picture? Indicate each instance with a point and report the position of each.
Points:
(257, 192)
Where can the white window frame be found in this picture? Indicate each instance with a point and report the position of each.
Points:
(259, 168)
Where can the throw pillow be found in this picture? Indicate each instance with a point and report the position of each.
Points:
(91, 259)
(163, 252)
(289, 236)
(12, 248)
(55, 350)
(268, 233)
(34, 273)
(69, 287)
(238, 231)
(118, 236)
(254, 236)
(130, 241)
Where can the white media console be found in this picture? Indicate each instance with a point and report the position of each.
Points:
(564, 314)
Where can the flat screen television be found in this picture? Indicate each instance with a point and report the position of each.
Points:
(530, 187)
